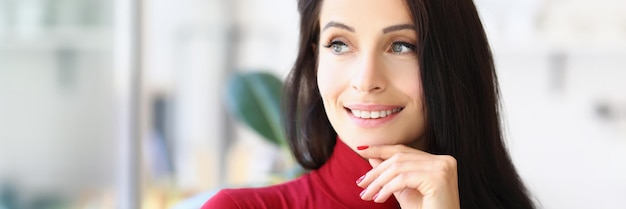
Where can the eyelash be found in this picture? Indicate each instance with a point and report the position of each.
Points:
(408, 45)
(336, 43)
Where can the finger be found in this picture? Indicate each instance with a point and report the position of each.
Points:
(399, 184)
(387, 175)
(374, 182)
(383, 166)
(380, 166)
(375, 162)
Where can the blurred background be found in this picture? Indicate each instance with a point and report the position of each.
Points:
(124, 103)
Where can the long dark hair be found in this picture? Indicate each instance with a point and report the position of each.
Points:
(461, 101)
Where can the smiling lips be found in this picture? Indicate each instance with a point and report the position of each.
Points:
(374, 114)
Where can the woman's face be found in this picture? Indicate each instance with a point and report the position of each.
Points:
(368, 73)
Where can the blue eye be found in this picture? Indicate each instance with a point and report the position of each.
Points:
(338, 47)
(401, 47)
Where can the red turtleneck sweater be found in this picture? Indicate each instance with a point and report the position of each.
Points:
(331, 186)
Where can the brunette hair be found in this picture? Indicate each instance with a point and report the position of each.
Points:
(461, 99)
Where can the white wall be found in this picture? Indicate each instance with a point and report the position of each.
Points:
(569, 155)
(186, 57)
(56, 134)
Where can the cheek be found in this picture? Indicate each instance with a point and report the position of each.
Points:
(415, 90)
(408, 80)
(330, 80)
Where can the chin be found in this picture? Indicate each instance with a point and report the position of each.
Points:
(366, 139)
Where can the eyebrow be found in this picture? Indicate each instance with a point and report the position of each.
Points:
(398, 27)
(385, 30)
(338, 25)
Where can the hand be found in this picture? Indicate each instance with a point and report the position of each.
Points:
(417, 179)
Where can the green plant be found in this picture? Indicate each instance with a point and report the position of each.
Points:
(254, 99)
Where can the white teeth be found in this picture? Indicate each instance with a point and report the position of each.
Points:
(374, 114)
(365, 114)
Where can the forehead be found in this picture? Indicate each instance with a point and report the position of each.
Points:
(366, 13)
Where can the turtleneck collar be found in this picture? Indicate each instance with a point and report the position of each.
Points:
(338, 178)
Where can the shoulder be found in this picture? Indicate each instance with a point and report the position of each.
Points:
(221, 200)
(286, 195)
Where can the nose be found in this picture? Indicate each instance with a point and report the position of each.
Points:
(369, 75)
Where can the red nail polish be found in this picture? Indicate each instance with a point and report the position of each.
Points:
(362, 147)
(362, 193)
(360, 179)
(375, 196)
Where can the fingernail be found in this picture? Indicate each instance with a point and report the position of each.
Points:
(375, 196)
(358, 181)
(363, 192)
(362, 147)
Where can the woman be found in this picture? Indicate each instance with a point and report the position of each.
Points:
(392, 104)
